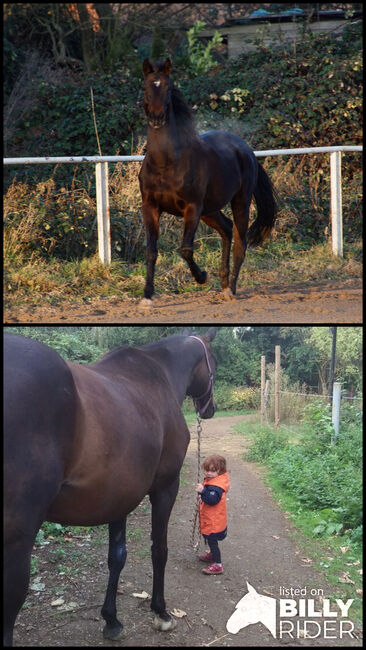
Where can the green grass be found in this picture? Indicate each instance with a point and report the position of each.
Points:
(326, 554)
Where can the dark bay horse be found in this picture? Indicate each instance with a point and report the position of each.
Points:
(83, 444)
(194, 176)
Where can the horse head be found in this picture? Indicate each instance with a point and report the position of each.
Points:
(201, 386)
(157, 91)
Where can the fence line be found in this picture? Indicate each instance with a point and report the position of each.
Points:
(288, 392)
(102, 195)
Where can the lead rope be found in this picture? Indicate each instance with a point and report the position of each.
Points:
(195, 544)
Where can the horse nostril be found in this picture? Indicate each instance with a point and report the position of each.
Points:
(157, 121)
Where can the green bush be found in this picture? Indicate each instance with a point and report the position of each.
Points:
(322, 476)
(266, 443)
(321, 482)
(236, 398)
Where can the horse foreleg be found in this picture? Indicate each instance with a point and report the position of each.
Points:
(224, 227)
(116, 560)
(191, 217)
(240, 208)
(162, 502)
(151, 216)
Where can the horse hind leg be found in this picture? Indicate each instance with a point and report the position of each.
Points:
(240, 208)
(224, 227)
(117, 555)
(191, 220)
(17, 560)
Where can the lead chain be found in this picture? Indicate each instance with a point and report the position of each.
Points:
(195, 544)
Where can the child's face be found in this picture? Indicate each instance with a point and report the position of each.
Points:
(211, 473)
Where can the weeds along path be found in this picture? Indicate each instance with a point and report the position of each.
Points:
(325, 301)
(258, 550)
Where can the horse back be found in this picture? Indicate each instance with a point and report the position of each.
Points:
(231, 167)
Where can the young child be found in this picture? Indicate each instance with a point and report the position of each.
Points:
(213, 520)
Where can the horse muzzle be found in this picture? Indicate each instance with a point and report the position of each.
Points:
(208, 410)
(157, 122)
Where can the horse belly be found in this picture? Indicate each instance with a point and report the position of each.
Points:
(85, 505)
(112, 464)
(106, 482)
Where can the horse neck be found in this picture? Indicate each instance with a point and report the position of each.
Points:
(166, 145)
(179, 361)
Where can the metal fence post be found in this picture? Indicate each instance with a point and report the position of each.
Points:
(336, 407)
(263, 384)
(104, 231)
(336, 202)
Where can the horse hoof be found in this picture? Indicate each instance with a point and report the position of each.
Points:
(146, 304)
(227, 294)
(164, 626)
(202, 278)
(114, 633)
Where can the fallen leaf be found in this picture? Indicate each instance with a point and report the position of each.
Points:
(142, 595)
(344, 549)
(37, 586)
(345, 578)
(307, 560)
(275, 537)
(179, 613)
(269, 593)
(56, 603)
(68, 607)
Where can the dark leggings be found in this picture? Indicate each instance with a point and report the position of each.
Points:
(215, 551)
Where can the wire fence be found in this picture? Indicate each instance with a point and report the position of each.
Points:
(293, 407)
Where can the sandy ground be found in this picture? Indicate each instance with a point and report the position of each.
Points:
(337, 301)
(260, 549)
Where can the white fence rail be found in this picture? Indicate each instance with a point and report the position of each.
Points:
(101, 171)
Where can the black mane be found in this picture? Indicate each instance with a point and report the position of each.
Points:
(182, 112)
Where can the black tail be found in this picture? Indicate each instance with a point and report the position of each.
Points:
(264, 195)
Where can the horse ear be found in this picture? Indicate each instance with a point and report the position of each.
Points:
(146, 67)
(210, 335)
(167, 67)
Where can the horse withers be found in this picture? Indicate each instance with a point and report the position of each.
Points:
(194, 176)
(83, 445)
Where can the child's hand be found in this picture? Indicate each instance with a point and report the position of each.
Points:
(199, 487)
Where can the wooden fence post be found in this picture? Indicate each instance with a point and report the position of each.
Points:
(277, 384)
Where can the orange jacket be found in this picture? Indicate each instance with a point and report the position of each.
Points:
(213, 518)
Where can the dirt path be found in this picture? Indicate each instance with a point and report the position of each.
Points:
(258, 549)
(333, 301)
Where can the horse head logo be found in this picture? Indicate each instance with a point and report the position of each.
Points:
(253, 608)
